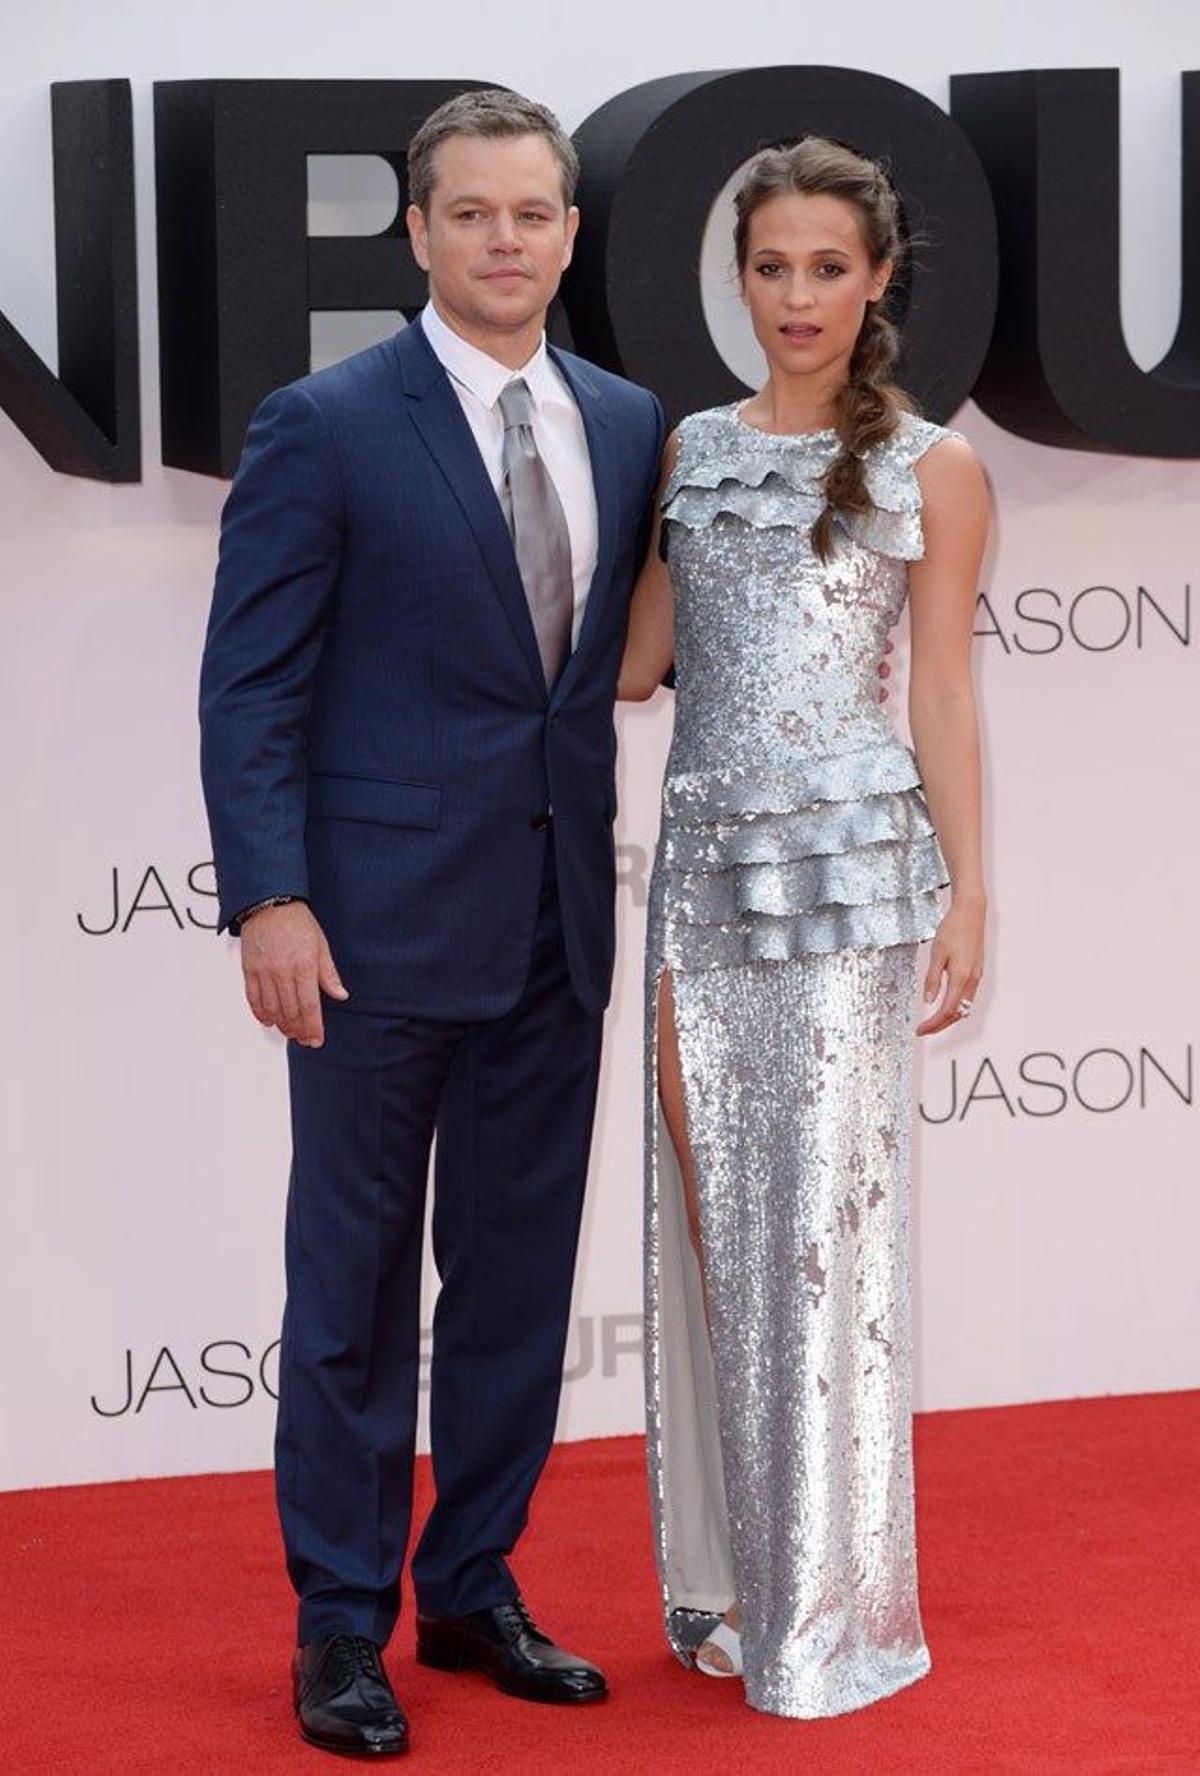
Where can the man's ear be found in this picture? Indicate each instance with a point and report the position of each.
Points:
(572, 231)
(418, 234)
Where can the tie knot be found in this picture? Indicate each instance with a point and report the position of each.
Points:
(516, 404)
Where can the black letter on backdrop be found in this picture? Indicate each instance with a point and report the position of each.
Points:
(237, 273)
(1058, 371)
(86, 420)
(654, 159)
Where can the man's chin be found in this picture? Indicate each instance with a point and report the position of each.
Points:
(511, 309)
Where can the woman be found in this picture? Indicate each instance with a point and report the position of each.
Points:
(797, 871)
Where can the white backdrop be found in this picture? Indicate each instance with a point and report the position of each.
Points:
(144, 1114)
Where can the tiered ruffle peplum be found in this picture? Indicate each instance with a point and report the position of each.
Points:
(842, 856)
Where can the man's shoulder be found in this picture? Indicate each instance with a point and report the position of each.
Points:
(343, 386)
(617, 392)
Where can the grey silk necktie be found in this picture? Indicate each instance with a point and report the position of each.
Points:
(539, 530)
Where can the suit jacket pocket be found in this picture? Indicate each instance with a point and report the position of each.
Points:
(378, 799)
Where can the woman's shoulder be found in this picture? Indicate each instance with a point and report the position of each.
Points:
(934, 456)
(694, 437)
(903, 473)
(913, 437)
(697, 442)
(705, 423)
(900, 466)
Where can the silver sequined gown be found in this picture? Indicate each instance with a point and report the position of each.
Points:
(796, 871)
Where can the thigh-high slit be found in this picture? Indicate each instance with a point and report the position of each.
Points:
(778, 1421)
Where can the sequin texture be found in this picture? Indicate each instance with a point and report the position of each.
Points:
(796, 871)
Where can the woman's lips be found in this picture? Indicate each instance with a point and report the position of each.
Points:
(800, 330)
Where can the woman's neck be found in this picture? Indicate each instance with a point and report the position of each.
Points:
(794, 403)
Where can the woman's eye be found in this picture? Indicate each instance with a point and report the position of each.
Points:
(832, 268)
(769, 268)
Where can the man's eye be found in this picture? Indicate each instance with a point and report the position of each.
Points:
(533, 216)
(465, 215)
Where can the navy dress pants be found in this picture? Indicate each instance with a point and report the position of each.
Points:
(512, 1100)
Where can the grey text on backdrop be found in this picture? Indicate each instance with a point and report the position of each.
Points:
(227, 1372)
(1096, 619)
(122, 902)
(1045, 1083)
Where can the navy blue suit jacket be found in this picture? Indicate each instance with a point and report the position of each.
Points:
(376, 731)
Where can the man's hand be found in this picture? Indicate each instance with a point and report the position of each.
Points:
(286, 965)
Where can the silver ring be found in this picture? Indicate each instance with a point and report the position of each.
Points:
(965, 1007)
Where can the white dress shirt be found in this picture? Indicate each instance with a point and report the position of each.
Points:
(558, 431)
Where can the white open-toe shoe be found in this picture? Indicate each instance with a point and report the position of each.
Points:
(728, 1641)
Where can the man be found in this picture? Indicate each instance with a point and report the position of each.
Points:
(407, 694)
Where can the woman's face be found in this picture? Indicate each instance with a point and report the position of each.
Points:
(807, 280)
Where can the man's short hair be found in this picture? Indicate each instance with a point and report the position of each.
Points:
(494, 113)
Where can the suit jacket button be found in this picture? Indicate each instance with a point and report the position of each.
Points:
(539, 822)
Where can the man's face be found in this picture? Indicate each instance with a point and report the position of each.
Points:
(498, 235)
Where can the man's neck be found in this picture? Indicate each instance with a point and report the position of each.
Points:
(513, 349)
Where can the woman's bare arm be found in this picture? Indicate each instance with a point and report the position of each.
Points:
(943, 588)
(650, 643)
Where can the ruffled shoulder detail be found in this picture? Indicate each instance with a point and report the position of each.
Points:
(765, 503)
(726, 467)
(722, 466)
(894, 527)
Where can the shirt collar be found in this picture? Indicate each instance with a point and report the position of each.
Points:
(484, 376)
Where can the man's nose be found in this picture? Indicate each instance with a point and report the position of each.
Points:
(504, 236)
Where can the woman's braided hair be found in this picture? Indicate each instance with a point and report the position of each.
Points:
(869, 406)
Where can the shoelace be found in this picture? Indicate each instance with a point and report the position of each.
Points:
(349, 1656)
(515, 1619)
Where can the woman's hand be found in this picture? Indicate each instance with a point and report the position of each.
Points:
(955, 964)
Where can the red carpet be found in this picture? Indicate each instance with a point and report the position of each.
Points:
(146, 1626)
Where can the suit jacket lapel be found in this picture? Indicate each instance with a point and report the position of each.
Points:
(438, 416)
(602, 450)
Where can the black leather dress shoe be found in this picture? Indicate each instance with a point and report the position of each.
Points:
(504, 1642)
(344, 1700)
